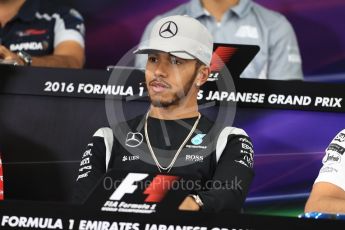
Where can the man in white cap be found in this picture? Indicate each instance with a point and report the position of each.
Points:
(173, 137)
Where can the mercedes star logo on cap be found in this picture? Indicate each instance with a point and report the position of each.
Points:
(168, 29)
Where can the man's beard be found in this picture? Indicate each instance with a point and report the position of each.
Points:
(176, 98)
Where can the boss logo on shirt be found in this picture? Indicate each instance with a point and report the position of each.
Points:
(194, 158)
(134, 139)
(340, 137)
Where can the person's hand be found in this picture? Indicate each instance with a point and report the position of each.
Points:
(8, 55)
(189, 204)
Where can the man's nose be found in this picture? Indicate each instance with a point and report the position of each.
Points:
(161, 70)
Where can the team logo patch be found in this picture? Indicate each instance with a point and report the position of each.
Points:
(31, 32)
(134, 139)
(247, 153)
(197, 140)
(332, 157)
(168, 30)
(27, 46)
(340, 137)
(336, 148)
(247, 31)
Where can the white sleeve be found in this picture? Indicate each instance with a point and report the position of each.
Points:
(69, 26)
(333, 169)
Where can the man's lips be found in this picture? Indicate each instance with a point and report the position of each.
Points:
(158, 86)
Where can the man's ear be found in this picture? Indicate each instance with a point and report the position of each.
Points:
(203, 73)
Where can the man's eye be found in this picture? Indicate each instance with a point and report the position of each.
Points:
(175, 61)
(152, 59)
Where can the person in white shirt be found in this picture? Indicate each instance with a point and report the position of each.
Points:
(328, 193)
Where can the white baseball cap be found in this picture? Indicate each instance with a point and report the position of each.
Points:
(181, 36)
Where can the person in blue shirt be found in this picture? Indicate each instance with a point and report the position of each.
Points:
(245, 22)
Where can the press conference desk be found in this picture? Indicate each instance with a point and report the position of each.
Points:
(21, 215)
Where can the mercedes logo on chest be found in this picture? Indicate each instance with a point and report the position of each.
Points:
(168, 29)
(134, 139)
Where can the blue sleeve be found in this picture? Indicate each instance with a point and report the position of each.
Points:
(285, 61)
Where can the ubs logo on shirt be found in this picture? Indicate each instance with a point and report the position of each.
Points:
(130, 158)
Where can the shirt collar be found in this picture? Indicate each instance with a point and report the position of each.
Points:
(28, 10)
(241, 9)
(196, 10)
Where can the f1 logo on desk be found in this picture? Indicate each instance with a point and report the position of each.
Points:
(127, 185)
(155, 192)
